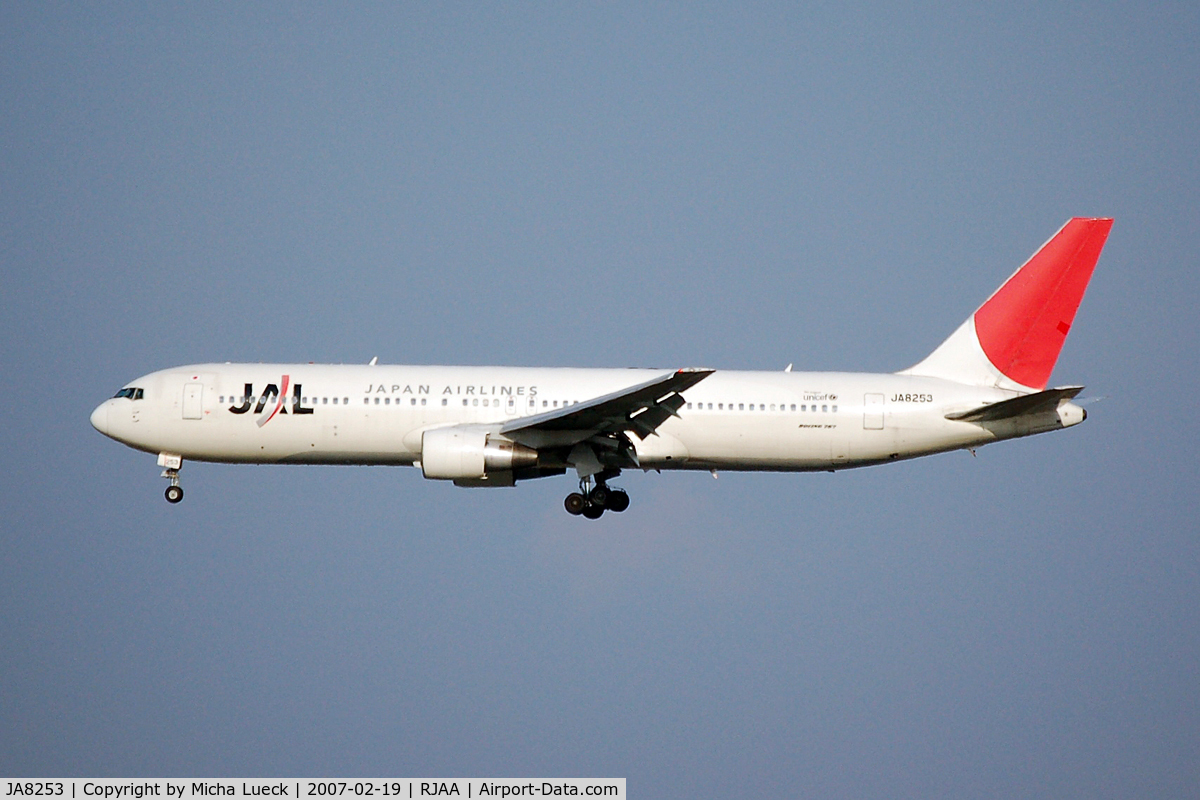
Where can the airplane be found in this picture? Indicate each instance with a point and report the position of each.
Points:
(496, 426)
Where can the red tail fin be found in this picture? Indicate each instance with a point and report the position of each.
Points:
(1023, 325)
(1014, 339)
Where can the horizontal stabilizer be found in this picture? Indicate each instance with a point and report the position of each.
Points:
(1047, 400)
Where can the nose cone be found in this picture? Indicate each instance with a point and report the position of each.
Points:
(100, 418)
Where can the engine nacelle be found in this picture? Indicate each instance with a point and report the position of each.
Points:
(460, 453)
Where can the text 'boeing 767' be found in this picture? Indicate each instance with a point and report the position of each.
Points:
(495, 426)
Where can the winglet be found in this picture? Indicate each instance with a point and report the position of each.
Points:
(1014, 339)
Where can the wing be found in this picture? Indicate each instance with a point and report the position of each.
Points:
(1047, 400)
(593, 436)
(639, 409)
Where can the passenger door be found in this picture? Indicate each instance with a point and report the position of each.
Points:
(193, 401)
(873, 412)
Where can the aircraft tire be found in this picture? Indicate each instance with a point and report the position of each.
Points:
(618, 501)
(173, 494)
(593, 511)
(575, 504)
(600, 495)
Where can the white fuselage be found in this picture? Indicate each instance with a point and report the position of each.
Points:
(732, 420)
(495, 426)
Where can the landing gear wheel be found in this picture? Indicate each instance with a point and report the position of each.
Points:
(593, 511)
(174, 494)
(600, 496)
(575, 504)
(618, 501)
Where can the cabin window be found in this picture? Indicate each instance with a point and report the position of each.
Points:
(835, 409)
(445, 401)
(825, 408)
(741, 406)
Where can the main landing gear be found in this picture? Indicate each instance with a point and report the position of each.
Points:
(592, 501)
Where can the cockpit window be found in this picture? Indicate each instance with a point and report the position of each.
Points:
(130, 392)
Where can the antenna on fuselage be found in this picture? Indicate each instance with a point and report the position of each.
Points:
(371, 363)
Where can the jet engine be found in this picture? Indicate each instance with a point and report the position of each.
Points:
(460, 453)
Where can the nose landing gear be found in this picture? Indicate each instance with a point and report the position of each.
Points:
(592, 501)
(171, 464)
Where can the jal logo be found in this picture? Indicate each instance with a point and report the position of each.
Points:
(272, 401)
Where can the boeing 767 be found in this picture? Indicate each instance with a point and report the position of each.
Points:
(495, 426)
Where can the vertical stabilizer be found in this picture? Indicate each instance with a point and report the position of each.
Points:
(1013, 340)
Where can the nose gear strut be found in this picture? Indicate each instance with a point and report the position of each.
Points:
(171, 464)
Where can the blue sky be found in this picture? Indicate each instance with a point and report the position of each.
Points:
(616, 185)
